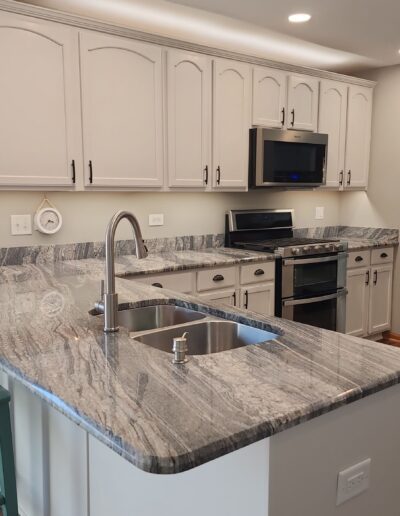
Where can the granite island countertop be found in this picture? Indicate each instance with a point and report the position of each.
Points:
(161, 417)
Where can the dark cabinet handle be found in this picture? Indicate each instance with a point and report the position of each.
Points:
(206, 175)
(234, 298)
(283, 117)
(349, 177)
(367, 280)
(359, 259)
(218, 277)
(73, 171)
(90, 172)
(384, 255)
(375, 277)
(292, 122)
(259, 272)
(218, 175)
(246, 299)
(341, 178)
(157, 285)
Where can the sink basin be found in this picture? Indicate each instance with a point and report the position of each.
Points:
(157, 316)
(208, 337)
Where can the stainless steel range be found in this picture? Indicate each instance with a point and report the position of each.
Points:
(310, 273)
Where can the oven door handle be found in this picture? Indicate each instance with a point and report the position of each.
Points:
(294, 302)
(301, 261)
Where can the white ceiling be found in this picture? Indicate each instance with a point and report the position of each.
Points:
(369, 28)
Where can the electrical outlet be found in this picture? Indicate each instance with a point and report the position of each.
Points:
(319, 212)
(21, 225)
(353, 481)
(156, 219)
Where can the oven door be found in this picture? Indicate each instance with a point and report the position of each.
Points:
(328, 312)
(309, 277)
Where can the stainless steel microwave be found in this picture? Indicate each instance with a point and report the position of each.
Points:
(287, 158)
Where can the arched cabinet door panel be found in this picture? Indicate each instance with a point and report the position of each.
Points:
(39, 102)
(231, 123)
(332, 121)
(189, 119)
(122, 111)
(302, 103)
(269, 97)
(358, 137)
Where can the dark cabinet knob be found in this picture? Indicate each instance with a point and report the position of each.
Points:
(384, 255)
(218, 277)
(359, 259)
(259, 272)
(157, 285)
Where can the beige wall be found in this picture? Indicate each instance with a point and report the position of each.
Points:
(85, 214)
(380, 206)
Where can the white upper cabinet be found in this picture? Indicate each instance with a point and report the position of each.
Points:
(269, 97)
(302, 103)
(332, 121)
(231, 123)
(39, 118)
(189, 119)
(122, 111)
(358, 140)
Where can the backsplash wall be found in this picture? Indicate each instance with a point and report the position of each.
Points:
(86, 214)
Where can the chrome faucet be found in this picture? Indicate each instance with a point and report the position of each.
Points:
(109, 298)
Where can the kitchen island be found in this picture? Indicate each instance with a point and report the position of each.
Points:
(223, 434)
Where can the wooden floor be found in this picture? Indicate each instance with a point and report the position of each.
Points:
(390, 338)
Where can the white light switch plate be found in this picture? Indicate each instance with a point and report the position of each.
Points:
(156, 219)
(21, 225)
(353, 481)
(319, 212)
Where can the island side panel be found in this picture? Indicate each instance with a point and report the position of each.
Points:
(233, 485)
(305, 460)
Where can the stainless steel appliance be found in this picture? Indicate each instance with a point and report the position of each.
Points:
(287, 158)
(310, 273)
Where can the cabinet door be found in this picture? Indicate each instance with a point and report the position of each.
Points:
(269, 97)
(259, 299)
(358, 281)
(358, 138)
(189, 119)
(39, 109)
(302, 103)
(380, 306)
(231, 122)
(122, 111)
(224, 297)
(332, 121)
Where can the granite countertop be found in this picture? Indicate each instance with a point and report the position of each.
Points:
(173, 260)
(362, 244)
(161, 417)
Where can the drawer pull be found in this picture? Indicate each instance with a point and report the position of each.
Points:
(259, 272)
(359, 259)
(218, 277)
(157, 285)
(384, 255)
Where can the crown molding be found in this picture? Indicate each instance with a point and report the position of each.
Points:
(108, 28)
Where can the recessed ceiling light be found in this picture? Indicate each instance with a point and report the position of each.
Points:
(299, 17)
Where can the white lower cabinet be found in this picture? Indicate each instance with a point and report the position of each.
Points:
(369, 300)
(258, 298)
(225, 297)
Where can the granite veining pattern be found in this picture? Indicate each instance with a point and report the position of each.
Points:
(161, 417)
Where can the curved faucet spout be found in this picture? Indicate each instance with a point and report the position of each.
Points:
(110, 297)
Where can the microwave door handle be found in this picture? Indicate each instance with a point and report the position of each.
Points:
(336, 295)
(305, 261)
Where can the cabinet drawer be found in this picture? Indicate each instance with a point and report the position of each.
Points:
(257, 272)
(358, 259)
(180, 282)
(383, 255)
(216, 278)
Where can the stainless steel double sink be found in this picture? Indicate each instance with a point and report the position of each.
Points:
(158, 325)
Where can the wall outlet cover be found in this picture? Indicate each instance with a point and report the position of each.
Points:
(353, 481)
(21, 225)
(156, 219)
(319, 212)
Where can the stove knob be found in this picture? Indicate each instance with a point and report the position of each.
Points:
(295, 250)
(337, 247)
(306, 249)
(318, 248)
(328, 247)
